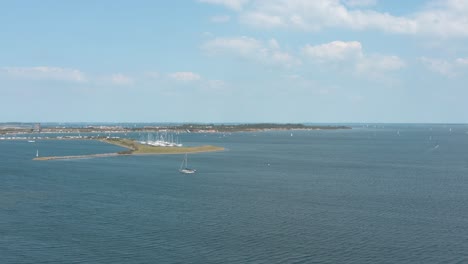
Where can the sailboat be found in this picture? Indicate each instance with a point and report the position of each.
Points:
(184, 168)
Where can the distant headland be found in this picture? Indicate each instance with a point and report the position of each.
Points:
(119, 134)
(58, 128)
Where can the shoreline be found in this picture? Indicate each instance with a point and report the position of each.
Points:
(181, 128)
(26, 135)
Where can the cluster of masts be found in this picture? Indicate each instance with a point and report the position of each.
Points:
(161, 140)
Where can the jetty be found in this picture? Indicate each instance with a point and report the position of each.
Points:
(103, 155)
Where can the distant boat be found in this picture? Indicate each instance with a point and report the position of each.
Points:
(37, 153)
(184, 168)
(31, 141)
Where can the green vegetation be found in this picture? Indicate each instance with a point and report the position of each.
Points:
(190, 127)
(175, 150)
(121, 142)
(250, 127)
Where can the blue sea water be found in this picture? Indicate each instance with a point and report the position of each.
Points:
(377, 194)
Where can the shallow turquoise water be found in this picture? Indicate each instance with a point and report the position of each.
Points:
(367, 195)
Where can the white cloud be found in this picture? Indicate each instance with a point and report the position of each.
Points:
(239, 45)
(197, 82)
(440, 18)
(356, 3)
(152, 74)
(185, 76)
(120, 79)
(263, 20)
(462, 61)
(448, 68)
(447, 18)
(220, 19)
(336, 50)
(214, 85)
(268, 52)
(232, 4)
(316, 15)
(44, 73)
(439, 66)
(293, 76)
(352, 53)
(281, 58)
(379, 63)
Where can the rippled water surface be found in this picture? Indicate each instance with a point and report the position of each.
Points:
(392, 194)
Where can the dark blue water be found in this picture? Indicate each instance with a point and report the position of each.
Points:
(367, 195)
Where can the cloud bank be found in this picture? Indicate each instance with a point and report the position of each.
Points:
(185, 76)
(44, 73)
(439, 18)
(267, 52)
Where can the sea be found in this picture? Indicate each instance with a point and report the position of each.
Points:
(376, 193)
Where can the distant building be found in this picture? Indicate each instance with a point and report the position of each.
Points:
(37, 127)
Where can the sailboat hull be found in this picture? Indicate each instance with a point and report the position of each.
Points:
(187, 171)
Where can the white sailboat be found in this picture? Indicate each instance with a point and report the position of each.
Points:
(37, 153)
(184, 168)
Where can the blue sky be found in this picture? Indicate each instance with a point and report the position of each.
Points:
(234, 61)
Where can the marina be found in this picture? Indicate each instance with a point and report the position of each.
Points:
(353, 188)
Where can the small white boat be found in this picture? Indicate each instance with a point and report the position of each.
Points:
(184, 168)
(31, 141)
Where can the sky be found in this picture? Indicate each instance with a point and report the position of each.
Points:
(327, 61)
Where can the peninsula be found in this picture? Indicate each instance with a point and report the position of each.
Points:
(119, 133)
(134, 148)
(140, 149)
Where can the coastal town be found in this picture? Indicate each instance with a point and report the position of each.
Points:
(32, 131)
(136, 139)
